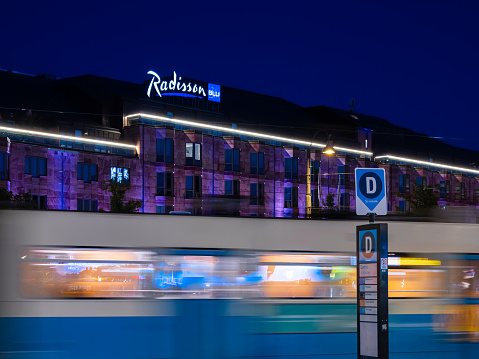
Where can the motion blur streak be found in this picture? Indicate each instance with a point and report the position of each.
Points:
(101, 285)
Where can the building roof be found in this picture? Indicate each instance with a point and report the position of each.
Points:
(88, 99)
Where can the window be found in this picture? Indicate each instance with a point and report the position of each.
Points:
(36, 166)
(232, 160)
(164, 150)
(460, 190)
(197, 211)
(256, 163)
(256, 194)
(66, 143)
(344, 201)
(404, 183)
(193, 186)
(87, 172)
(164, 184)
(291, 168)
(91, 272)
(193, 154)
(120, 174)
(290, 197)
(232, 187)
(314, 168)
(403, 206)
(87, 205)
(164, 209)
(3, 166)
(421, 181)
(344, 177)
(40, 201)
(444, 189)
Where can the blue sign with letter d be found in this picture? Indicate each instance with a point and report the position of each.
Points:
(371, 191)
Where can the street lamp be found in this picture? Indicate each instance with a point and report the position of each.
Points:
(328, 150)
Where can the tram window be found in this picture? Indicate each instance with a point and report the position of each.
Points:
(303, 275)
(416, 276)
(86, 273)
(463, 278)
(193, 275)
(414, 283)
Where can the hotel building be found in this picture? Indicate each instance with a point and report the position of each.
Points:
(190, 146)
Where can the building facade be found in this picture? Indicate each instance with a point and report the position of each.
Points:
(189, 154)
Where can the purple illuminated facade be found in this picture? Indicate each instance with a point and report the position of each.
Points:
(202, 170)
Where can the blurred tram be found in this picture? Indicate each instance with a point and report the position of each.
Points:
(102, 285)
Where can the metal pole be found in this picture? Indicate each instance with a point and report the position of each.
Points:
(320, 183)
(328, 175)
(308, 184)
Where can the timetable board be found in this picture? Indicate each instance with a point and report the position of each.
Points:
(372, 291)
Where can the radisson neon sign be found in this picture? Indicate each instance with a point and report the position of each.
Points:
(176, 87)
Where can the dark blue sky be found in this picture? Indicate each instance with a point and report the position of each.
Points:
(412, 62)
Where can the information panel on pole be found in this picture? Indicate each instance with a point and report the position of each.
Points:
(372, 290)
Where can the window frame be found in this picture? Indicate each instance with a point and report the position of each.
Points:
(314, 170)
(291, 167)
(196, 187)
(82, 201)
(38, 199)
(165, 189)
(81, 173)
(344, 175)
(256, 196)
(234, 165)
(403, 203)
(404, 183)
(164, 209)
(290, 197)
(258, 157)
(195, 159)
(38, 161)
(423, 181)
(165, 145)
(3, 165)
(235, 187)
(444, 188)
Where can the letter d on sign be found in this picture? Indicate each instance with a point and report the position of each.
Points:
(369, 244)
(370, 185)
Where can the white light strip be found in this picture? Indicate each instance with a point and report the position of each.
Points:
(64, 137)
(242, 132)
(428, 163)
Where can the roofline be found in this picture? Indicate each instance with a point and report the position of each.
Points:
(243, 132)
(431, 164)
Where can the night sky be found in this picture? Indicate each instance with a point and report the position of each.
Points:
(412, 62)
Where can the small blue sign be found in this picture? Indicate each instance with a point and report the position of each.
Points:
(214, 92)
(120, 175)
(370, 191)
(368, 246)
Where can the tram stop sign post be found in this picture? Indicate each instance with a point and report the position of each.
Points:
(372, 266)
